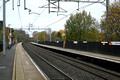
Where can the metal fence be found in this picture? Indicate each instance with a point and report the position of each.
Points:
(1, 47)
(96, 47)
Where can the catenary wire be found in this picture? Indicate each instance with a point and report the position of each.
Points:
(70, 13)
(38, 16)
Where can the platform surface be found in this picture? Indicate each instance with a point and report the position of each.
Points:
(84, 53)
(25, 68)
(6, 64)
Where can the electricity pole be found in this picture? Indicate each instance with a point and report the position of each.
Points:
(108, 27)
(65, 38)
(44, 36)
(50, 33)
(4, 22)
(8, 35)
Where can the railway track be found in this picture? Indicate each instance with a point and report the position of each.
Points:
(92, 72)
(52, 72)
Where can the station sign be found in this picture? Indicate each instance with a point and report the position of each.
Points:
(57, 41)
(84, 41)
(75, 42)
(114, 43)
(103, 43)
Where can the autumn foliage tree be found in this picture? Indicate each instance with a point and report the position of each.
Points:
(21, 36)
(113, 22)
(41, 36)
(82, 27)
(57, 35)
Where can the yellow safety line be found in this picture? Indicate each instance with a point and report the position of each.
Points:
(14, 68)
(39, 70)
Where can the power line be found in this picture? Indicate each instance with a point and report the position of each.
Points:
(38, 16)
(71, 13)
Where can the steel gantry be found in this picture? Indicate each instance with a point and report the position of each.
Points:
(50, 2)
(55, 4)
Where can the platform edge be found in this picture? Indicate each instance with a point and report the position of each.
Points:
(37, 67)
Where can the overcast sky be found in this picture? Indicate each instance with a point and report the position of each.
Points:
(45, 19)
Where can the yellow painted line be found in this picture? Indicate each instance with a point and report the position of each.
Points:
(14, 66)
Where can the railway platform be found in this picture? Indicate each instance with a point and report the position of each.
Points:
(114, 59)
(24, 67)
(17, 65)
(6, 64)
(108, 62)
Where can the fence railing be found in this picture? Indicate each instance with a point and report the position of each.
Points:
(96, 47)
(1, 47)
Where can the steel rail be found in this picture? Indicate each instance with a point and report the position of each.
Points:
(85, 65)
(106, 71)
(50, 64)
(36, 63)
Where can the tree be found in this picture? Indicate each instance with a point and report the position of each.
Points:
(79, 27)
(61, 32)
(40, 36)
(59, 35)
(16, 35)
(53, 36)
(93, 34)
(113, 22)
(21, 36)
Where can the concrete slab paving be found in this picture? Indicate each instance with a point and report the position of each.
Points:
(6, 64)
(25, 70)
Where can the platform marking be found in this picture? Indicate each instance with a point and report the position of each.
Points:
(2, 67)
(14, 64)
(27, 63)
(41, 72)
(22, 53)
